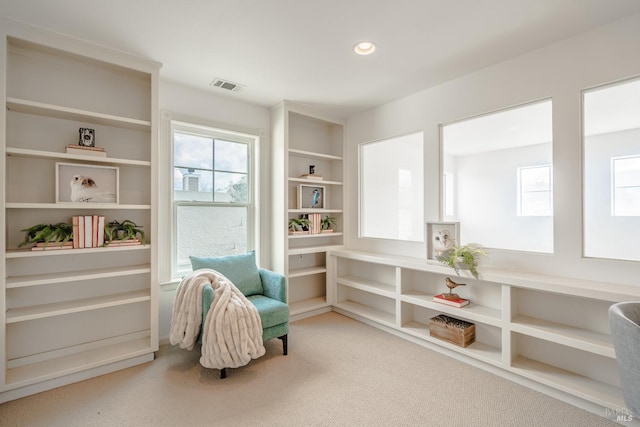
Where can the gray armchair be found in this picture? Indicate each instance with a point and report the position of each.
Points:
(624, 320)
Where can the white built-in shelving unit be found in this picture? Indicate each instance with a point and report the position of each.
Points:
(75, 313)
(302, 137)
(551, 330)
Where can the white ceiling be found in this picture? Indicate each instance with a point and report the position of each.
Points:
(303, 51)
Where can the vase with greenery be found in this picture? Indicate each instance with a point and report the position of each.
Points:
(464, 257)
(298, 225)
(125, 230)
(59, 233)
(327, 223)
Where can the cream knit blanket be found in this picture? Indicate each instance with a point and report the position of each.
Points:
(232, 333)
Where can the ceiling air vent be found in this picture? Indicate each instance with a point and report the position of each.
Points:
(226, 84)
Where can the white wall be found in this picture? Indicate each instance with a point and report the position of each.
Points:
(227, 113)
(560, 71)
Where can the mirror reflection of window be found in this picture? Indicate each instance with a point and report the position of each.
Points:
(611, 146)
(501, 166)
(391, 188)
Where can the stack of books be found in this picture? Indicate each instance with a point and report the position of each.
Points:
(127, 242)
(86, 151)
(316, 223)
(88, 231)
(458, 302)
(46, 246)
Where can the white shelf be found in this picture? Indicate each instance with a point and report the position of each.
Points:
(582, 339)
(314, 181)
(477, 350)
(312, 249)
(24, 314)
(368, 312)
(577, 385)
(21, 253)
(74, 205)
(81, 275)
(472, 311)
(312, 210)
(372, 286)
(299, 307)
(37, 154)
(76, 362)
(57, 111)
(316, 235)
(591, 351)
(314, 155)
(302, 272)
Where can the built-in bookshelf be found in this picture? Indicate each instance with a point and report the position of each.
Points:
(551, 330)
(74, 313)
(302, 138)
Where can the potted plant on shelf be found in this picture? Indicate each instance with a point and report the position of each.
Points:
(126, 230)
(299, 225)
(327, 224)
(464, 257)
(48, 234)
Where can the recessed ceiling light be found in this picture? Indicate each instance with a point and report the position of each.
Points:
(364, 48)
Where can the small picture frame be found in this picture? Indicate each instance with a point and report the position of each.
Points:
(87, 137)
(312, 197)
(441, 236)
(78, 183)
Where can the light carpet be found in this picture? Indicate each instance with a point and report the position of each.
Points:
(339, 372)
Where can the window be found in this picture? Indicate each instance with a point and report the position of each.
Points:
(498, 178)
(535, 194)
(626, 186)
(212, 193)
(391, 188)
(611, 171)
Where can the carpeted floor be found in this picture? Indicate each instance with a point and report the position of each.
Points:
(339, 372)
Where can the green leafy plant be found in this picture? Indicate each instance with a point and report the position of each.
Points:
(299, 224)
(124, 230)
(466, 256)
(48, 233)
(327, 222)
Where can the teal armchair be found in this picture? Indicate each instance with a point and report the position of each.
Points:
(265, 289)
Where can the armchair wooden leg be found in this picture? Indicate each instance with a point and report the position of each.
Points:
(223, 373)
(284, 344)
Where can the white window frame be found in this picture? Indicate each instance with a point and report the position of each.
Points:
(253, 219)
(614, 186)
(549, 191)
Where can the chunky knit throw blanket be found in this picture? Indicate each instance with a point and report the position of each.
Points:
(232, 333)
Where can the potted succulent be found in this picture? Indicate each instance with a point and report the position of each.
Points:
(327, 224)
(125, 230)
(464, 257)
(48, 234)
(299, 225)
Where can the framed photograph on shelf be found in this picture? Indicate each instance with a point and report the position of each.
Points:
(311, 197)
(441, 236)
(77, 183)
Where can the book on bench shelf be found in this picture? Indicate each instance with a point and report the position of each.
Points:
(455, 302)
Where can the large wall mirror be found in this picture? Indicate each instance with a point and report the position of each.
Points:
(611, 171)
(497, 174)
(391, 188)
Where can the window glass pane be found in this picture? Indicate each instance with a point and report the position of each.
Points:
(192, 185)
(391, 182)
(192, 151)
(231, 156)
(611, 173)
(231, 188)
(209, 231)
(502, 197)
